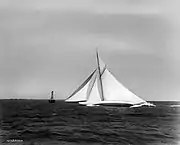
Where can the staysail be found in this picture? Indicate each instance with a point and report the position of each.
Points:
(80, 94)
(94, 96)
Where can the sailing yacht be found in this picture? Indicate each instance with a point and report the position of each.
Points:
(101, 88)
(52, 100)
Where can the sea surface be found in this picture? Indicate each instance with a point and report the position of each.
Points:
(37, 122)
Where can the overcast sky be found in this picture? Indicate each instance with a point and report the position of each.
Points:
(50, 45)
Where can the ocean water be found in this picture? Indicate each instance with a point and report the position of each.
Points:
(37, 122)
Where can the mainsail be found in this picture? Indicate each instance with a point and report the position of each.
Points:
(115, 91)
(102, 88)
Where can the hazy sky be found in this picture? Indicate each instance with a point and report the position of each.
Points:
(50, 45)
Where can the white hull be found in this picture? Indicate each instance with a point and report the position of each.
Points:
(108, 103)
(117, 104)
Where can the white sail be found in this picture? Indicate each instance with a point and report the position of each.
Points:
(115, 91)
(81, 93)
(94, 95)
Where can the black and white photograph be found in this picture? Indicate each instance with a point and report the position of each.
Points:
(89, 72)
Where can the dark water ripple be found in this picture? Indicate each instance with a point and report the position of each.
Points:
(38, 122)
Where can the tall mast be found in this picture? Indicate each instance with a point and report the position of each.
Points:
(99, 75)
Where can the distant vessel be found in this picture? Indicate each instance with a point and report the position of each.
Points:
(102, 88)
(52, 100)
